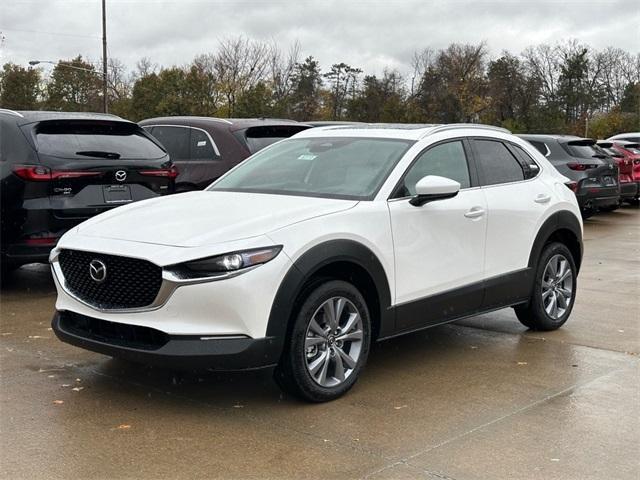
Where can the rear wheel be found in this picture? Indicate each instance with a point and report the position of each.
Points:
(609, 208)
(328, 345)
(554, 290)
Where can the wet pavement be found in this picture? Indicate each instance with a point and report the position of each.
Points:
(480, 399)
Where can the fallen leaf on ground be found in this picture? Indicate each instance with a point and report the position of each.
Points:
(555, 459)
(523, 363)
(6, 333)
(124, 426)
(77, 389)
(66, 385)
(58, 402)
(399, 407)
(36, 336)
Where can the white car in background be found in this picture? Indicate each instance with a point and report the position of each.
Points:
(318, 245)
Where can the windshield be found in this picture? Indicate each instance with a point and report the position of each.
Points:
(95, 139)
(349, 168)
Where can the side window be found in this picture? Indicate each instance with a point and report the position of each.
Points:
(201, 148)
(540, 146)
(175, 140)
(445, 160)
(496, 163)
(529, 165)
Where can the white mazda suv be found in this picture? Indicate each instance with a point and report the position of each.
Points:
(307, 252)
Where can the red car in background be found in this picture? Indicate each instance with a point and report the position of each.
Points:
(631, 152)
(628, 186)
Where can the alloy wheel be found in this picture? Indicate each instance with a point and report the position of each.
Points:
(333, 342)
(557, 286)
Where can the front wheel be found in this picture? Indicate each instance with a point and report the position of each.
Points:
(328, 345)
(554, 290)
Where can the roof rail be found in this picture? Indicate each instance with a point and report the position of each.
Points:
(454, 126)
(11, 112)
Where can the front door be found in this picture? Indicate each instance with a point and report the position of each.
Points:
(439, 247)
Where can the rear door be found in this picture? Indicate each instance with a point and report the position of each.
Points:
(97, 164)
(193, 151)
(516, 203)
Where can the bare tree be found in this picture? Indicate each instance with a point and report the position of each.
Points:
(420, 62)
(282, 70)
(240, 64)
(543, 61)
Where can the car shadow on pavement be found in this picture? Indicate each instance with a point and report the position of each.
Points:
(413, 352)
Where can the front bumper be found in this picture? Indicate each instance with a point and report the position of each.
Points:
(150, 346)
(21, 254)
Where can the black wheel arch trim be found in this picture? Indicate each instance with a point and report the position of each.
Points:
(314, 260)
(562, 220)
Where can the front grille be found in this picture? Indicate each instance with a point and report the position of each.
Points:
(129, 282)
(112, 333)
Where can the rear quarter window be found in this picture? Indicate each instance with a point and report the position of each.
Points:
(256, 138)
(95, 139)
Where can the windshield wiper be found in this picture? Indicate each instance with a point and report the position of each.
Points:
(99, 154)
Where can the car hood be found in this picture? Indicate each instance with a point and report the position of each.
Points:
(205, 218)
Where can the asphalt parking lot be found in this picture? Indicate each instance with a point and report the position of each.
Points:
(480, 399)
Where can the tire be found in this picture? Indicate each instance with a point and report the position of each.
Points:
(609, 208)
(539, 313)
(587, 213)
(6, 270)
(317, 364)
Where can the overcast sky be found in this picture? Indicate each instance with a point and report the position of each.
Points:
(370, 34)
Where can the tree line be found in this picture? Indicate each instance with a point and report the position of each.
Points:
(568, 87)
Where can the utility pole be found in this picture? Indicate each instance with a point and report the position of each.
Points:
(105, 108)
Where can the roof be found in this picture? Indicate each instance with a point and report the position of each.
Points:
(550, 136)
(30, 116)
(405, 131)
(622, 136)
(233, 123)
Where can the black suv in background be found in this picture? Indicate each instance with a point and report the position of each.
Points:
(58, 169)
(203, 148)
(595, 173)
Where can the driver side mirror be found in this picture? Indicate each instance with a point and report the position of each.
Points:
(433, 187)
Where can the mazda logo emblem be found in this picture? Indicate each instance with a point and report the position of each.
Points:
(97, 271)
(121, 175)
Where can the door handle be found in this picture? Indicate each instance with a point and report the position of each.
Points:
(542, 198)
(474, 212)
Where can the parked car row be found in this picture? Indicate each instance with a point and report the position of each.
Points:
(58, 169)
(604, 173)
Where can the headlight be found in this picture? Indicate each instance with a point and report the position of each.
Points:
(227, 263)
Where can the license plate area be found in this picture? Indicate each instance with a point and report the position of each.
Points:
(609, 181)
(116, 194)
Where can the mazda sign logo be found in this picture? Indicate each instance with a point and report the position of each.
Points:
(121, 175)
(97, 271)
